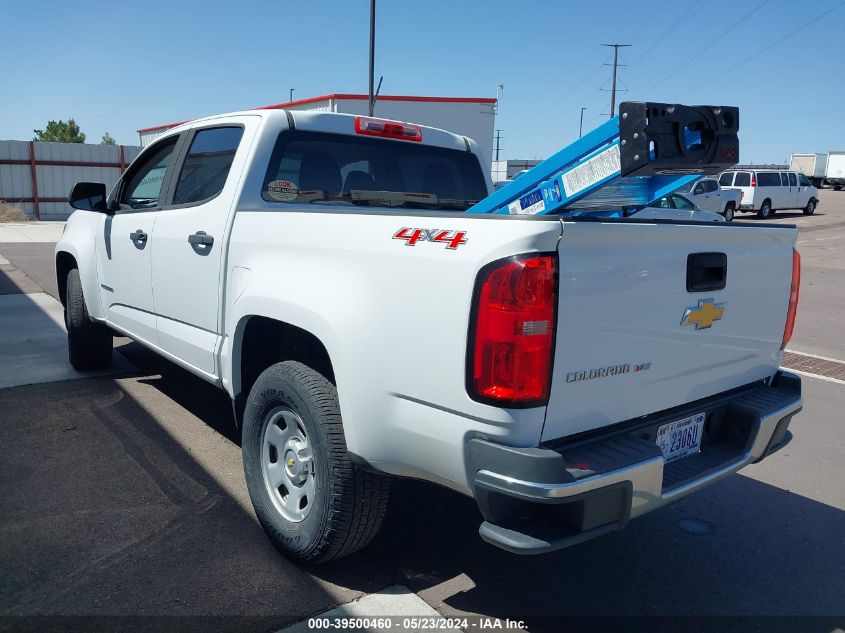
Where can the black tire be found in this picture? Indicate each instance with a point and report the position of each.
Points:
(810, 209)
(89, 343)
(349, 503)
(729, 212)
(837, 187)
(765, 210)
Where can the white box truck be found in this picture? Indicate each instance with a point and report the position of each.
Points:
(835, 173)
(813, 166)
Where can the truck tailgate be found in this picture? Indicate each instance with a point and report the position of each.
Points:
(622, 350)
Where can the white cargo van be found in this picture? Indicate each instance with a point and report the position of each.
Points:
(766, 191)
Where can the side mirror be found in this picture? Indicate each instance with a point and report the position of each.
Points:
(88, 196)
(698, 190)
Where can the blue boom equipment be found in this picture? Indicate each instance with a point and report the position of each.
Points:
(647, 151)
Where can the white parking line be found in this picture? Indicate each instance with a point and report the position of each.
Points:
(834, 360)
(822, 239)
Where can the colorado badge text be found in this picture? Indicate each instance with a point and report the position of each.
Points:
(704, 314)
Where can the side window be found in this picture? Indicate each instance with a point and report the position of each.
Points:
(802, 180)
(784, 180)
(143, 187)
(682, 203)
(207, 164)
(726, 179)
(710, 186)
(699, 189)
(743, 179)
(793, 180)
(768, 179)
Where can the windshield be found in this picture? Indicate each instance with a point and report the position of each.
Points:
(311, 167)
(687, 187)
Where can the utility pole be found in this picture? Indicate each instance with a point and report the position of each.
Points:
(616, 48)
(372, 51)
(581, 124)
(290, 97)
(498, 138)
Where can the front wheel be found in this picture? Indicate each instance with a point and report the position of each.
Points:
(729, 213)
(810, 209)
(89, 343)
(311, 500)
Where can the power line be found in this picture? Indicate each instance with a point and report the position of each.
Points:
(665, 31)
(770, 46)
(706, 47)
(647, 20)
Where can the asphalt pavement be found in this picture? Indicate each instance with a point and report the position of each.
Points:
(124, 495)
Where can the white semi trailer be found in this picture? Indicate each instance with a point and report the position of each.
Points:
(813, 166)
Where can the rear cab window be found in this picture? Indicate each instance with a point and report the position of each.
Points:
(308, 167)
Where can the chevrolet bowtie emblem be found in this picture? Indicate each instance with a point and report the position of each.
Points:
(703, 315)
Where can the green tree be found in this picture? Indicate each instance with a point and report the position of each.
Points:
(107, 140)
(60, 132)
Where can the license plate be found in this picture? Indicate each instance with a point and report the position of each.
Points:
(681, 438)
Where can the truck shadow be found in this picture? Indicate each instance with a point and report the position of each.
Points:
(762, 551)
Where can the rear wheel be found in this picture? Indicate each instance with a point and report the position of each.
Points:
(810, 208)
(837, 187)
(729, 212)
(89, 343)
(765, 209)
(311, 500)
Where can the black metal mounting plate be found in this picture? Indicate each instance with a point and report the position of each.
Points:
(667, 139)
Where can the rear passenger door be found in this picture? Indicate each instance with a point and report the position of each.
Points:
(786, 196)
(190, 236)
(794, 192)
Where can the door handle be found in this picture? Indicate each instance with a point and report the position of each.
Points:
(200, 238)
(138, 236)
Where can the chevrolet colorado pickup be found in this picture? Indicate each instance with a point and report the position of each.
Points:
(567, 373)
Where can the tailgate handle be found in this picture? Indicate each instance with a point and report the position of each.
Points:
(706, 271)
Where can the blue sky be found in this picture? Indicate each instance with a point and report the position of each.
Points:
(119, 66)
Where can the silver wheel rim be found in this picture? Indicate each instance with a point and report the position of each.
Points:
(287, 464)
(811, 207)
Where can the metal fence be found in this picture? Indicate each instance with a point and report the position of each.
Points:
(38, 177)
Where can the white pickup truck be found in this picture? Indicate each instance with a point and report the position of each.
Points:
(567, 373)
(708, 195)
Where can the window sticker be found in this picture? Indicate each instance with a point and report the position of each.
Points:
(283, 190)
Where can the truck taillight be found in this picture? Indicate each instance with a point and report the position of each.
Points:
(793, 298)
(390, 129)
(511, 336)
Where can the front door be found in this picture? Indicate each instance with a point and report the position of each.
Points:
(189, 238)
(124, 244)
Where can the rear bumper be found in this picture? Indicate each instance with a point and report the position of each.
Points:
(537, 500)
